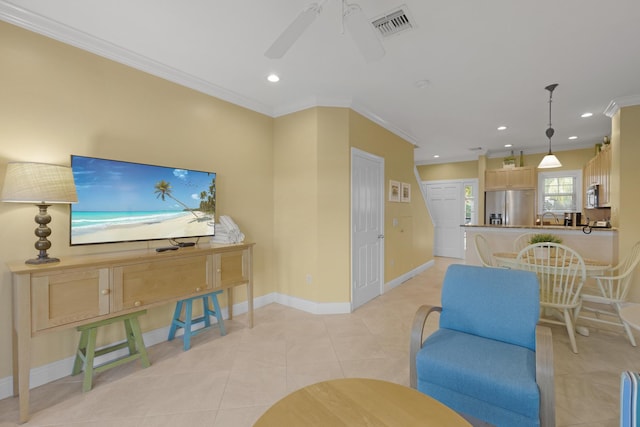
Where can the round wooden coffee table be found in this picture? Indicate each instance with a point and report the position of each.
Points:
(359, 402)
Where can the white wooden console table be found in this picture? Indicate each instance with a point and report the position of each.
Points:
(83, 289)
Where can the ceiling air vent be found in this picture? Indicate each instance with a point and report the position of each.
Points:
(394, 22)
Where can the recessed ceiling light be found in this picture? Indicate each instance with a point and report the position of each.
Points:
(502, 127)
(435, 156)
(273, 78)
(508, 145)
(584, 115)
(573, 137)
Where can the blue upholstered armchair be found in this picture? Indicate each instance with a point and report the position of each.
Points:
(489, 359)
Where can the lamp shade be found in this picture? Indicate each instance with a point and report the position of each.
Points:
(549, 161)
(38, 183)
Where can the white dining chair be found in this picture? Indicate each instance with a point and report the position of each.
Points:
(613, 290)
(561, 273)
(484, 251)
(522, 241)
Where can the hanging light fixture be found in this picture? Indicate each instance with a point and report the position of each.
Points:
(550, 160)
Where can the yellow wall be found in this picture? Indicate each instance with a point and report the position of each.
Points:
(409, 244)
(625, 146)
(449, 171)
(285, 181)
(58, 100)
(311, 182)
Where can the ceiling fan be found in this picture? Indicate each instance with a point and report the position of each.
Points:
(353, 19)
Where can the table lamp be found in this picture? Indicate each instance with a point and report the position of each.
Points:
(42, 184)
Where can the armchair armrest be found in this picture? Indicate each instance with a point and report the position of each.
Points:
(417, 338)
(544, 376)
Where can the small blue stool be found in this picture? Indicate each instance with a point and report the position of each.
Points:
(189, 322)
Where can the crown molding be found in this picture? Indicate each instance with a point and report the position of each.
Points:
(618, 103)
(55, 30)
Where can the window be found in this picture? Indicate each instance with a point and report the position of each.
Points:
(470, 203)
(560, 192)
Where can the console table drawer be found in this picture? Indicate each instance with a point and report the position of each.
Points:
(137, 285)
(232, 267)
(68, 296)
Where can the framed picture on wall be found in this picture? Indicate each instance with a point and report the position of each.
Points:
(406, 192)
(394, 191)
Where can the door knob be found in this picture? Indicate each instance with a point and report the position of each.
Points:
(380, 236)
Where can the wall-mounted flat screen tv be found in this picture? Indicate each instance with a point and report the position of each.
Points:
(123, 202)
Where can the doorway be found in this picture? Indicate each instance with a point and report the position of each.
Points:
(451, 204)
(367, 227)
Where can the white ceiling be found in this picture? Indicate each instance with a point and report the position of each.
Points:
(487, 62)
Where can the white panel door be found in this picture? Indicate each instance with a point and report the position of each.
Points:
(446, 204)
(367, 249)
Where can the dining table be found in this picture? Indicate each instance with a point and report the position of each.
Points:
(592, 267)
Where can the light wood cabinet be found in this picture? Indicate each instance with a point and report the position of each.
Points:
(598, 171)
(510, 178)
(83, 289)
(150, 282)
(68, 296)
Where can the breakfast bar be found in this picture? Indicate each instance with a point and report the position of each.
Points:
(601, 244)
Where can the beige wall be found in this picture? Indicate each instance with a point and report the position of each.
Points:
(58, 100)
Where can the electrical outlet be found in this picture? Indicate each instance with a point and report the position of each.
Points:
(309, 279)
(395, 222)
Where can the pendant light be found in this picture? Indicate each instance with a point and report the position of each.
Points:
(550, 160)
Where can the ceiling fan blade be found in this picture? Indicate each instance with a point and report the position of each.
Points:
(293, 32)
(362, 33)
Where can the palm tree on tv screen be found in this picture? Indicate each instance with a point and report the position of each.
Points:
(163, 189)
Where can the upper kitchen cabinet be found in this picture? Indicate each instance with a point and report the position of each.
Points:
(510, 178)
(598, 171)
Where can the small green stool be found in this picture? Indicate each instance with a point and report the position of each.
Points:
(87, 347)
(188, 322)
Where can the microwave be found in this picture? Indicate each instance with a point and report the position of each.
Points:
(592, 197)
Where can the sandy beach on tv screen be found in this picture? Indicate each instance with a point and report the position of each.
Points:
(184, 225)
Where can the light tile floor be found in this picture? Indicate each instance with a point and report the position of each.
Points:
(232, 380)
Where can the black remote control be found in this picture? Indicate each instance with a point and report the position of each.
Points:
(167, 248)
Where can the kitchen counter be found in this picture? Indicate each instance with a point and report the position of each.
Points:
(601, 244)
(541, 227)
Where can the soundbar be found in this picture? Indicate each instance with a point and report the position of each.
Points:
(167, 248)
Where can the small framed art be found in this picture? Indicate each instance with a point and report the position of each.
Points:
(406, 192)
(394, 191)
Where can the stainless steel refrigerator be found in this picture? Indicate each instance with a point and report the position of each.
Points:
(510, 207)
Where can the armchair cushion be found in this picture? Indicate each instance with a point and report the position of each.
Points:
(494, 303)
(493, 375)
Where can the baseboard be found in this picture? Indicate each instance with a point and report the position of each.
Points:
(408, 275)
(312, 306)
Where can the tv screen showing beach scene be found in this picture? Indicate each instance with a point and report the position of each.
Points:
(122, 201)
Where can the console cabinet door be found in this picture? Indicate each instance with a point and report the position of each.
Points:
(68, 296)
(145, 283)
(232, 268)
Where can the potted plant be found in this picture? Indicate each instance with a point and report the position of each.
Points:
(544, 237)
(544, 252)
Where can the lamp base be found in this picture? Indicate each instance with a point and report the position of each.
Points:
(42, 260)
